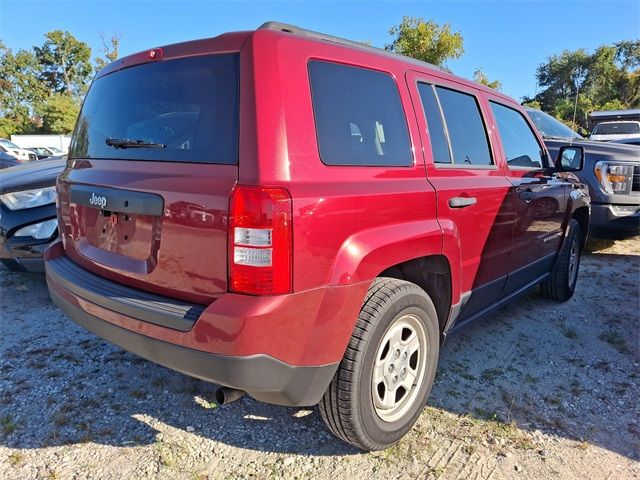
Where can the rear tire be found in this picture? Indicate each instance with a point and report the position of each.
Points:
(384, 379)
(561, 284)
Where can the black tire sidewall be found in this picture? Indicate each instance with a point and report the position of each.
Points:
(386, 433)
(573, 236)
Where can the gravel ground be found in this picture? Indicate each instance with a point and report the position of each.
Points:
(541, 390)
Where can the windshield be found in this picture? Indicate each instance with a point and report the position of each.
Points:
(616, 128)
(55, 150)
(9, 144)
(549, 126)
(189, 107)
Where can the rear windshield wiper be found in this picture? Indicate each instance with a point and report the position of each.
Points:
(129, 143)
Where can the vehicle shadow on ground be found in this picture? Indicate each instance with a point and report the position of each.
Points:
(568, 370)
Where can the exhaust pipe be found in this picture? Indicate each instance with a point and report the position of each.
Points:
(226, 395)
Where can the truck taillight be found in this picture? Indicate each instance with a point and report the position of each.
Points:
(260, 240)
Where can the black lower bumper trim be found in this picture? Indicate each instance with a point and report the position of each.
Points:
(166, 312)
(261, 376)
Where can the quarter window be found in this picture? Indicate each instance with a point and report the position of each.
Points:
(437, 135)
(359, 116)
(518, 141)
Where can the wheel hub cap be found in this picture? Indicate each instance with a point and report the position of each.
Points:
(399, 368)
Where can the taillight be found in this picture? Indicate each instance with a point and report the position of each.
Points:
(260, 240)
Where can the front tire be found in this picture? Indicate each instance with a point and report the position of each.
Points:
(561, 284)
(384, 379)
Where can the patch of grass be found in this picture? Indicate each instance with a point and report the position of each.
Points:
(206, 403)
(169, 454)
(453, 393)
(88, 403)
(16, 458)
(531, 379)
(602, 365)
(614, 339)
(60, 419)
(461, 370)
(8, 425)
(159, 382)
(551, 400)
(569, 332)
(137, 394)
(437, 471)
(469, 449)
(67, 357)
(576, 388)
(491, 374)
(391, 453)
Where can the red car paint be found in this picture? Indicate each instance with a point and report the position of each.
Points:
(349, 223)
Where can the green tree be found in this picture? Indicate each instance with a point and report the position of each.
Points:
(530, 102)
(426, 40)
(65, 63)
(21, 91)
(480, 77)
(59, 113)
(110, 49)
(575, 83)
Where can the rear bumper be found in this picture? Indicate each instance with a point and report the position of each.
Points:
(261, 376)
(282, 350)
(608, 219)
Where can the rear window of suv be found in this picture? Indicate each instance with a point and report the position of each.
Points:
(188, 105)
(359, 116)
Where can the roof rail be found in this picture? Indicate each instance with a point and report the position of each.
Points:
(284, 27)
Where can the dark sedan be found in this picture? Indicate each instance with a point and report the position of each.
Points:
(28, 222)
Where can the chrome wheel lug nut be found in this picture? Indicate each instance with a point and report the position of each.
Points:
(397, 354)
(391, 367)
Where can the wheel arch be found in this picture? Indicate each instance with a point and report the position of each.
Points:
(432, 273)
(582, 216)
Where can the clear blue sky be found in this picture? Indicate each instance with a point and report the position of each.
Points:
(508, 39)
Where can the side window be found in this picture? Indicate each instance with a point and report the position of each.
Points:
(519, 142)
(359, 116)
(439, 144)
(466, 130)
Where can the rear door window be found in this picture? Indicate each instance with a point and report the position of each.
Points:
(518, 140)
(359, 116)
(188, 105)
(465, 127)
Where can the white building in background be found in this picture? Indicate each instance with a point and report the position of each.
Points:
(29, 141)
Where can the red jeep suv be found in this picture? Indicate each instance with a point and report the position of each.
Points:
(304, 218)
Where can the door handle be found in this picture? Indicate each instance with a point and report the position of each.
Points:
(462, 202)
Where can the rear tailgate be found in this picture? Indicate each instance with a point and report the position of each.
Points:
(144, 200)
(179, 253)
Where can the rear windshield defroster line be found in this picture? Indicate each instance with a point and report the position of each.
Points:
(190, 106)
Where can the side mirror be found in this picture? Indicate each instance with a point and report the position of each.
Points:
(570, 159)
